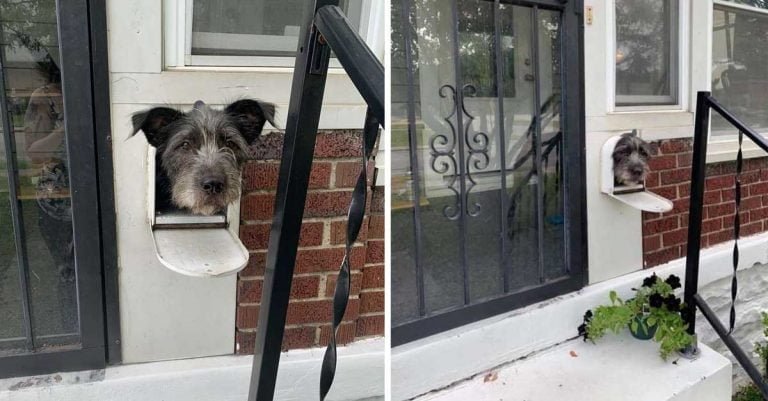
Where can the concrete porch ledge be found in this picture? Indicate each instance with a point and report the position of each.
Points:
(360, 375)
(618, 368)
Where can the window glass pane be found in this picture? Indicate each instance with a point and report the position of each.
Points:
(646, 52)
(253, 27)
(472, 202)
(753, 3)
(739, 73)
(30, 56)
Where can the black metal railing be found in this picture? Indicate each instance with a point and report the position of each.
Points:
(326, 29)
(693, 299)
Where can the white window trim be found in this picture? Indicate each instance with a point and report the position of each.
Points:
(683, 69)
(177, 44)
(723, 148)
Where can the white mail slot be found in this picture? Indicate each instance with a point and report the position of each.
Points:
(190, 244)
(636, 196)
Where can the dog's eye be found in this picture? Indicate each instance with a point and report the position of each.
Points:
(231, 143)
(185, 145)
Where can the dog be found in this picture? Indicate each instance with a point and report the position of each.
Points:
(630, 159)
(200, 153)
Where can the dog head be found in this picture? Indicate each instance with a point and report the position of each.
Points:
(201, 152)
(630, 159)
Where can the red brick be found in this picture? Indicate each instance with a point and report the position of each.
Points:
(710, 226)
(663, 256)
(675, 176)
(720, 210)
(652, 180)
(318, 311)
(305, 287)
(729, 194)
(719, 182)
(712, 197)
(751, 228)
(375, 252)
(257, 206)
(327, 259)
(659, 226)
(339, 233)
(750, 177)
(256, 265)
(348, 172)
(684, 189)
(756, 163)
(669, 192)
(720, 237)
(720, 168)
(751, 203)
(728, 220)
(370, 326)
(666, 162)
(249, 291)
(377, 200)
(675, 237)
(327, 204)
(684, 159)
(311, 233)
(758, 189)
(264, 175)
(676, 146)
(372, 302)
(255, 236)
(342, 143)
(376, 226)
(680, 205)
(373, 277)
(247, 317)
(651, 243)
(298, 337)
(245, 342)
(758, 214)
(355, 284)
(345, 334)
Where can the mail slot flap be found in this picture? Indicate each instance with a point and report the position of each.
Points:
(200, 252)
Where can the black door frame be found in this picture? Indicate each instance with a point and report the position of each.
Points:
(82, 34)
(572, 76)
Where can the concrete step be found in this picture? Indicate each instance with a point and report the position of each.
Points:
(617, 368)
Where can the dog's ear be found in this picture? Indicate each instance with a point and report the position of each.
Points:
(250, 116)
(152, 122)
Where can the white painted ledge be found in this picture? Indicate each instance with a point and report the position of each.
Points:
(618, 368)
(465, 351)
(360, 375)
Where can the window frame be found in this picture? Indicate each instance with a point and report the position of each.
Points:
(177, 39)
(683, 69)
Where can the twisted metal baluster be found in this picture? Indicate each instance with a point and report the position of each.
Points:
(355, 217)
(736, 234)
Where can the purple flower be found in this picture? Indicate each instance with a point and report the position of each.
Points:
(650, 281)
(673, 281)
(673, 303)
(656, 300)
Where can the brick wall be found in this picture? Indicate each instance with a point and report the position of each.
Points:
(665, 234)
(321, 245)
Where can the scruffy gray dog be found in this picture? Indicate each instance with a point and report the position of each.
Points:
(200, 153)
(630, 159)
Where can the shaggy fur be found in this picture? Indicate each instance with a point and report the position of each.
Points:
(200, 153)
(630, 160)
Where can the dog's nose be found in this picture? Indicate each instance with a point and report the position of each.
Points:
(212, 185)
(638, 170)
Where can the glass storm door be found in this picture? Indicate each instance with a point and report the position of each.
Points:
(487, 159)
(51, 305)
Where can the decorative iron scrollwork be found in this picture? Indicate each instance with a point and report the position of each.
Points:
(446, 158)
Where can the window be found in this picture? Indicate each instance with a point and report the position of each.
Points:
(647, 52)
(247, 32)
(739, 75)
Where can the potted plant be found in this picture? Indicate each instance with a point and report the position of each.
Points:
(653, 313)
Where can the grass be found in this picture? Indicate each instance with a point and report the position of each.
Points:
(748, 393)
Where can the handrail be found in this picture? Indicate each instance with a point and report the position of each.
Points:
(326, 29)
(365, 71)
(692, 299)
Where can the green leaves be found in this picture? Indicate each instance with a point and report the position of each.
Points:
(663, 313)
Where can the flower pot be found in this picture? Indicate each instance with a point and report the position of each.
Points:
(644, 331)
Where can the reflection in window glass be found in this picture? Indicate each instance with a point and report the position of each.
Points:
(739, 73)
(253, 27)
(646, 52)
